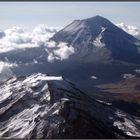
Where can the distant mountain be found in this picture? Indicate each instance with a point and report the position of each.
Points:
(130, 29)
(94, 47)
(92, 40)
(41, 106)
(97, 39)
(2, 34)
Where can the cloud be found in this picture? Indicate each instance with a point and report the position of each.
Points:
(52, 57)
(60, 51)
(5, 70)
(8, 64)
(130, 29)
(64, 51)
(51, 44)
(42, 29)
(15, 38)
(18, 38)
(17, 35)
(41, 34)
(14, 30)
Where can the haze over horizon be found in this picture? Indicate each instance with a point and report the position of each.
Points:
(59, 14)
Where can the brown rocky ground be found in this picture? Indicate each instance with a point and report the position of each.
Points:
(125, 94)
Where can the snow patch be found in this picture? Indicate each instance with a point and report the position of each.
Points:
(128, 75)
(93, 77)
(36, 78)
(127, 126)
(97, 42)
(137, 71)
(103, 102)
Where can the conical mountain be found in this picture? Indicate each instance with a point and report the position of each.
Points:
(97, 38)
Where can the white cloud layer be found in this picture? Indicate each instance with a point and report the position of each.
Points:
(59, 51)
(130, 29)
(5, 70)
(64, 51)
(18, 38)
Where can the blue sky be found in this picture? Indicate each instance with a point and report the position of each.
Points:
(59, 14)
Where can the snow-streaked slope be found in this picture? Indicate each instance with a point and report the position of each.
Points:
(130, 29)
(97, 39)
(41, 106)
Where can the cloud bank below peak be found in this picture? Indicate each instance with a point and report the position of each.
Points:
(5, 70)
(18, 38)
(130, 29)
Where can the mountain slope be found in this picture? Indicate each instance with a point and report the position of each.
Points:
(97, 39)
(41, 106)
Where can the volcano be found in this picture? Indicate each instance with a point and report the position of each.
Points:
(97, 39)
